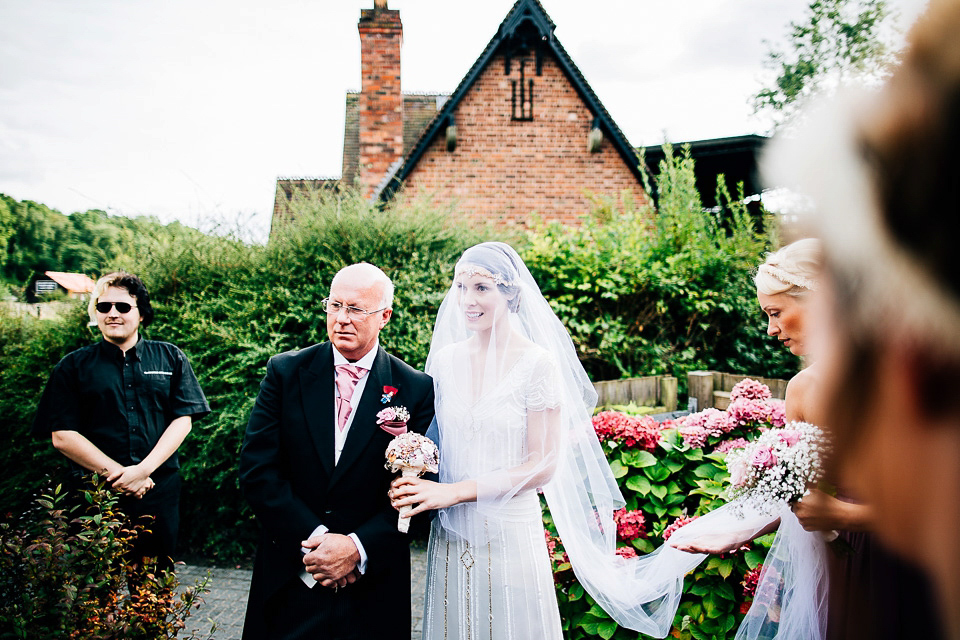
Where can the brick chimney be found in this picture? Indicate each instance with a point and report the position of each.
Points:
(381, 100)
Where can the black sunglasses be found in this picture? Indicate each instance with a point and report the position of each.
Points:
(122, 307)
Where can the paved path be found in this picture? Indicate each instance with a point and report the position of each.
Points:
(227, 600)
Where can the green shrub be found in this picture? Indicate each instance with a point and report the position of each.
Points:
(29, 349)
(647, 292)
(63, 575)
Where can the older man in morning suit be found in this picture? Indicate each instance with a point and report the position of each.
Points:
(331, 563)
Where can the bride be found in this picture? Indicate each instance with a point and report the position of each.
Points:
(513, 410)
(499, 415)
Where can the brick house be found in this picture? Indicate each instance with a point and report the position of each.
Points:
(522, 133)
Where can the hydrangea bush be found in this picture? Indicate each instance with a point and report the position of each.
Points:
(670, 473)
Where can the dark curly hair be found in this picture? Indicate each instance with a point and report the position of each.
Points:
(134, 286)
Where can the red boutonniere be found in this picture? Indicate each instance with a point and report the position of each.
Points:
(388, 393)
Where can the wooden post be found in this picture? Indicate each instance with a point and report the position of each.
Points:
(668, 393)
(700, 386)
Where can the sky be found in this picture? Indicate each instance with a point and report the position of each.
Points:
(191, 109)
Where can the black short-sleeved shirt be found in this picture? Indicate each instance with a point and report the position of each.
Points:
(121, 402)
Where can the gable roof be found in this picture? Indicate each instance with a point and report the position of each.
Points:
(525, 17)
(73, 282)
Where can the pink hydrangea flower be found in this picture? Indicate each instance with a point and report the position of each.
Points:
(642, 432)
(763, 457)
(719, 423)
(630, 524)
(750, 389)
(729, 445)
(551, 542)
(778, 412)
(694, 436)
(676, 524)
(626, 552)
(746, 411)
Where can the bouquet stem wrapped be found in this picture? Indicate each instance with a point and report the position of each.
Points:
(412, 455)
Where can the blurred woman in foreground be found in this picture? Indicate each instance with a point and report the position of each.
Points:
(885, 177)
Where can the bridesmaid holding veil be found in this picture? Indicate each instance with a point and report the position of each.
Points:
(867, 585)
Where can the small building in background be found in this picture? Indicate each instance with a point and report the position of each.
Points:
(73, 285)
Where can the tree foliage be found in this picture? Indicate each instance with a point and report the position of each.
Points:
(38, 238)
(837, 40)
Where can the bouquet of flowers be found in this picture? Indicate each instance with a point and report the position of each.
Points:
(778, 467)
(412, 455)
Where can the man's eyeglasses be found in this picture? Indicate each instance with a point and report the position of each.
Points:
(122, 307)
(333, 308)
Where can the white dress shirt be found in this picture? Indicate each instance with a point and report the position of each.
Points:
(340, 437)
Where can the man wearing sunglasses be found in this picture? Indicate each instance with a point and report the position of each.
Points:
(331, 563)
(121, 408)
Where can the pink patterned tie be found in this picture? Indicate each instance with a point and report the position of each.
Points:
(348, 375)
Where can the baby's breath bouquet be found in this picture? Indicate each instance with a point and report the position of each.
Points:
(778, 467)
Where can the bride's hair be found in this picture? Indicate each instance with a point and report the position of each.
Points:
(492, 260)
(793, 269)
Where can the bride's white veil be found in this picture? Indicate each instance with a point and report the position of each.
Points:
(562, 454)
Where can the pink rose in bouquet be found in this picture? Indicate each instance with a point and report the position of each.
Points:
(763, 457)
(790, 437)
(777, 467)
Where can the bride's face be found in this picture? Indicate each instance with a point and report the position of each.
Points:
(480, 300)
(786, 320)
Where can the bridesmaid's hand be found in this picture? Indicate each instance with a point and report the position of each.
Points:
(424, 494)
(710, 543)
(819, 511)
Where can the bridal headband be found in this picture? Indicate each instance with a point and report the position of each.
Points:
(474, 270)
(787, 277)
(892, 288)
(494, 260)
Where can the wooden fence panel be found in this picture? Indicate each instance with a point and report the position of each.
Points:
(712, 388)
(650, 391)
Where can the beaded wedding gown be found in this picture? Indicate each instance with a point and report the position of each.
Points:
(491, 576)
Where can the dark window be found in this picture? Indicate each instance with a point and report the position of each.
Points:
(521, 98)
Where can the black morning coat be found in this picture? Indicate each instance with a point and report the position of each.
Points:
(287, 474)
